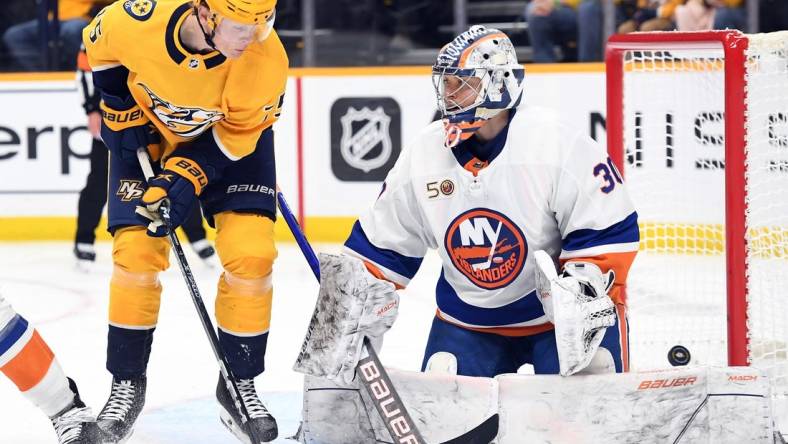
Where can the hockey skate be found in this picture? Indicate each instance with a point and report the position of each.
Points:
(75, 424)
(261, 422)
(206, 252)
(123, 407)
(86, 257)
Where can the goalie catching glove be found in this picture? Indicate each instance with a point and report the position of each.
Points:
(577, 303)
(352, 304)
(176, 188)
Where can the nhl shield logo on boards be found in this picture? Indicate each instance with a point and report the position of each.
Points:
(365, 138)
(487, 247)
(356, 146)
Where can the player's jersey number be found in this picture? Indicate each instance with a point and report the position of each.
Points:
(609, 174)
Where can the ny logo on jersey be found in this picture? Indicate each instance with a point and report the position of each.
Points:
(130, 190)
(486, 247)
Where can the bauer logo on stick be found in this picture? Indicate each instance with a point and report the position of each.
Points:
(487, 247)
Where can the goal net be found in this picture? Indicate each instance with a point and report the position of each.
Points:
(698, 121)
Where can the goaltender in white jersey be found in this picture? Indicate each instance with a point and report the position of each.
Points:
(488, 186)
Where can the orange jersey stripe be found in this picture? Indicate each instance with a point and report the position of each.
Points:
(623, 336)
(504, 331)
(30, 366)
(375, 271)
(618, 262)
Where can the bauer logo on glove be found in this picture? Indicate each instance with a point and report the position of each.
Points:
(174, 190)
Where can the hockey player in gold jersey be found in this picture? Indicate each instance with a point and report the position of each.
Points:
(200, 83)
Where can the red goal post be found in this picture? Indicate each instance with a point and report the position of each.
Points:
(686, 85)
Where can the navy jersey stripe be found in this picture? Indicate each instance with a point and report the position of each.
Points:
(390, 259)
(625, 231)
(524, 309)
(11, 333)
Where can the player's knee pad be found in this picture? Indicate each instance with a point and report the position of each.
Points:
(135, 291)
(243, 306)
(245, 243)
(246, 248)
(601, 363)
(442, 362)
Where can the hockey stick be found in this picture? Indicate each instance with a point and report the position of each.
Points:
(374, 376)
(194, 292)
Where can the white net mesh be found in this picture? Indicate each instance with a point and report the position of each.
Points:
(674, 164)
(767, 203)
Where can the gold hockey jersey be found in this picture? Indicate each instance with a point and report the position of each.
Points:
(185, 94)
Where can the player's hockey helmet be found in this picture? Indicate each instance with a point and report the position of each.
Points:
(258, 13)
(486, 54)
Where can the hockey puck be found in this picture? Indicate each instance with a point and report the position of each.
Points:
(678, 356)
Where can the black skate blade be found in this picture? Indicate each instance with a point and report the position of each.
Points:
(233, 427)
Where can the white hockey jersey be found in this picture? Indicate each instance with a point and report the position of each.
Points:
(549, 187)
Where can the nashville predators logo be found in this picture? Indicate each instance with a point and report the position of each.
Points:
(139, 9)
(486, 247)
(130, 190)
(182, 121)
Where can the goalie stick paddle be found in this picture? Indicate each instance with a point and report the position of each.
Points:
(194, 292)
(374, 376)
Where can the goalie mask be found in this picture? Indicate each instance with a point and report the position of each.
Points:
(242, 18)
(476, 76)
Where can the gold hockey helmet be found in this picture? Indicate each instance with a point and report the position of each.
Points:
(247, 12)
(256, 14)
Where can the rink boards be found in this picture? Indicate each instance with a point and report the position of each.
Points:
(340, 131)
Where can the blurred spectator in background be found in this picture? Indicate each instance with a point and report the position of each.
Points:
(93, 197)
(695, 15)
(729, 14)
(590, 20)
(649, 15)
(23, 40)
(551, 23)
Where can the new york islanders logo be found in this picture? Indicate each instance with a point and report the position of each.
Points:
(487, 247)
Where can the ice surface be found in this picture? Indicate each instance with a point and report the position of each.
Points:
(70, 310)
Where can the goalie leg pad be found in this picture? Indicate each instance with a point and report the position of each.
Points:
(714, 405)
(444, 406)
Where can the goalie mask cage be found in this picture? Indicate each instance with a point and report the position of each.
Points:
(698, 121)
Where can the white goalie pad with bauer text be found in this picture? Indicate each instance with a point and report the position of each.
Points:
(578, 305)
(690, 405)
(444, 406)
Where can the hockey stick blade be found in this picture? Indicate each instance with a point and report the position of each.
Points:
(372, 371)
(199, 305)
